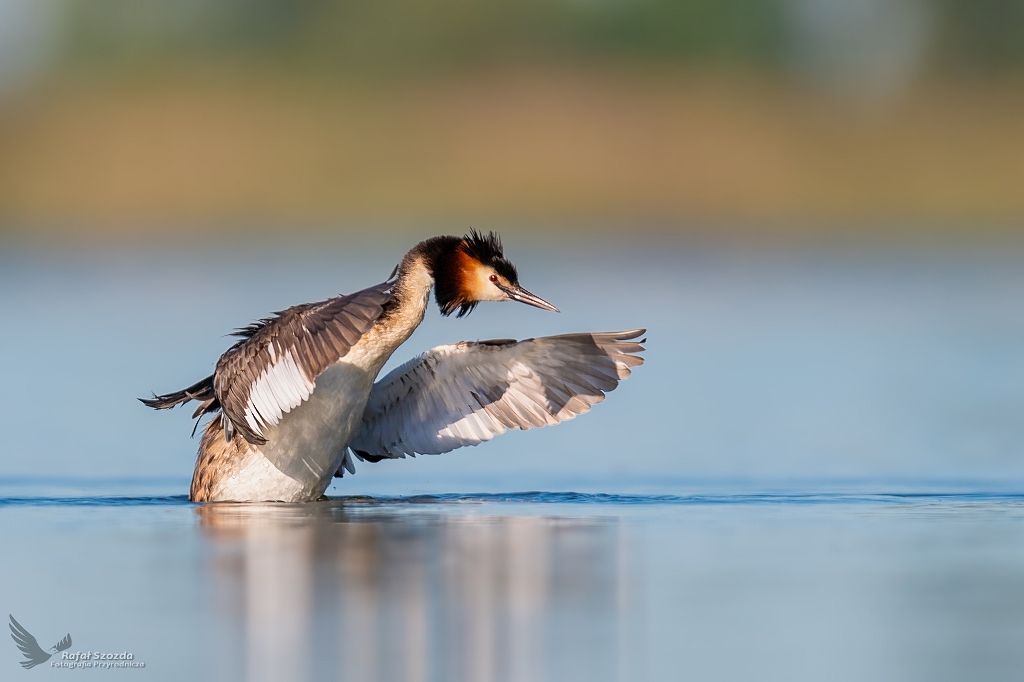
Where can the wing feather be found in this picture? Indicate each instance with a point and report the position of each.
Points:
(274, 368)
(27, 644)
(468, 393)
(64, 644)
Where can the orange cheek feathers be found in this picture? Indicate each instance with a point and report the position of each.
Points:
(474, 280)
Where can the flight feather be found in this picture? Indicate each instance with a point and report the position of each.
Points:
(467, 393)
(273, 369)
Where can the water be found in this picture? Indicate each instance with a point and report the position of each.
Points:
(817, 475)
(529, 587)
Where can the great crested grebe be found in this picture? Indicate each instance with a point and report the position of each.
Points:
(297, 396)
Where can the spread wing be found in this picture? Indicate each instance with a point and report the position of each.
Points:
(274, 368)
(27, 644)
(468, 393)
(64, 644)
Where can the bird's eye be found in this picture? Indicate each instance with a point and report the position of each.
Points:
(493, 278)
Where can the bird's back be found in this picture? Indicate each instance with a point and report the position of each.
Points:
(286, 442)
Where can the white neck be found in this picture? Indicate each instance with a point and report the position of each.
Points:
(411, 295)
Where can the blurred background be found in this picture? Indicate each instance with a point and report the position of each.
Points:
(815, 206)
(133, 119)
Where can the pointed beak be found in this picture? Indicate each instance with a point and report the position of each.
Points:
(517, 293)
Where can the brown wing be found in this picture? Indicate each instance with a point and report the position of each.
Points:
(274, 368)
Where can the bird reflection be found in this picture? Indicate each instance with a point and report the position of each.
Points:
(354, 590)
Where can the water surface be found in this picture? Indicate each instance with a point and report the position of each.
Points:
(532, 586)
(817, 475)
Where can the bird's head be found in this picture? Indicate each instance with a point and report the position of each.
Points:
(471, 269)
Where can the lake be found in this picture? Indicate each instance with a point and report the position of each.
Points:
(816, 475)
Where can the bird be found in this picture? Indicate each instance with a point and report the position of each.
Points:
(34, 654)
(296, 399)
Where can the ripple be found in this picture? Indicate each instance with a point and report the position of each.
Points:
(561, 498)
(809, 498)
(95, 501)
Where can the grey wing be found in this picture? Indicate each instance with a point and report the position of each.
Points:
(64, 644)
(274, 368)
(27, 644)
(467, 393)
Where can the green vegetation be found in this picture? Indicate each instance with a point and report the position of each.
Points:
(373, 35)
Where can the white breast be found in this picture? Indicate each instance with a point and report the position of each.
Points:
(307, 443)
(305, 448)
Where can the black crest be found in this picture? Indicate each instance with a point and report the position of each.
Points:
(446, 257)
(488, 250)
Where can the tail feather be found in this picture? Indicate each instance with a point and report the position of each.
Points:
(201, 391)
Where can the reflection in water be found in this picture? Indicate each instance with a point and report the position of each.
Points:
(340, 590)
